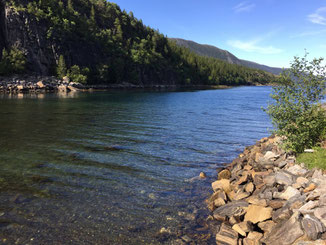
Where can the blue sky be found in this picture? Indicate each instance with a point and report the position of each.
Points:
(269, 32)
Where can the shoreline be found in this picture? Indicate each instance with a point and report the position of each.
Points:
(265, 197)
(51, 84)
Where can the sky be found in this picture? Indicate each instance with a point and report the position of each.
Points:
(269, 32)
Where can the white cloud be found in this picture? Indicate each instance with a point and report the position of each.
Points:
(319, 17)
(309, 33)
(253, 46)
(244, 7)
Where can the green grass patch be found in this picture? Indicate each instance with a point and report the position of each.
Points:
(312, 160)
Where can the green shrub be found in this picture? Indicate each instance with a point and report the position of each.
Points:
(76, 75)
(296, 112)
(12, 61)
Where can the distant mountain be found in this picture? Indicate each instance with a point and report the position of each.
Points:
(212, 51)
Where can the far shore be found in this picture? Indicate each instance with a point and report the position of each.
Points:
(50, 84)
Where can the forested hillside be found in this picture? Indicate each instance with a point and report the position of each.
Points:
(94, 41)
(211, 51)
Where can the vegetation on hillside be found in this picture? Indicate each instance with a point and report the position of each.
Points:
(214, 52)
(13, 61)
(296, 112)
(126, 49)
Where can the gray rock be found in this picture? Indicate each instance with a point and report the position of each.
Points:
(297, 170)
(289, 193)
(286, 232)
(281, 214)
(312, 227)
(283, 178)
(308, 207)
(231, 209)
(282, 164)
(320, 213)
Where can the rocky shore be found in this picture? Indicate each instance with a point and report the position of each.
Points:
(265, 197)
(50, 84)
(37, 84)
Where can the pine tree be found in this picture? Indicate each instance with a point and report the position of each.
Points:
(61, 68)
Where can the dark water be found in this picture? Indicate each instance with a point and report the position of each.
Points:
(115, 168)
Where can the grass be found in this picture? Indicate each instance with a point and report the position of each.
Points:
(312, 160)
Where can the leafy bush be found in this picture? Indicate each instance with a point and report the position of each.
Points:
(296, 112)
(76, 75)
(12, 61)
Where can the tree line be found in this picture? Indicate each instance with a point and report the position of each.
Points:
(126, 50)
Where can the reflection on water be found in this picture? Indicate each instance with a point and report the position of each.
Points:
(118, 168)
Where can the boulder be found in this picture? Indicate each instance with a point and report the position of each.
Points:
(249, 187)
(223, 184)
(219, 202)
(227, 236)
(281, 214)
(289, 193)
(283, 178)
(236, 208)
(202, 175)
(224, 174)
(243, 179)
(40, 84)
(297, 170)
(320, 213)
(248, 241)
(270, 180)
(285, 233)
(307, 208)
(276, 203)
(310, 187)
(238, 229)
(312, 227)
(257, 201)
(257, 214)
(254, 235)
(301, 181)
(266, 226)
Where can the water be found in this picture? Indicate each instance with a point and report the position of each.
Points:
(117, 167)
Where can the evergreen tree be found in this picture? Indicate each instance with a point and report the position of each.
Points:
(61, 68)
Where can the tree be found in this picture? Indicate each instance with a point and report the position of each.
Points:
(12, 62)
(61, 68)
(296, 112)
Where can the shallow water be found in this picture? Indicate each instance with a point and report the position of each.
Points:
(116, 167)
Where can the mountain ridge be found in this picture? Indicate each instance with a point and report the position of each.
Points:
(215, 52)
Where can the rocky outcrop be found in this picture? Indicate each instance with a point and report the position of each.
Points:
(37, 84)
(265, 197)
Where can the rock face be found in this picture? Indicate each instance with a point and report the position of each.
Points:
(269, 199)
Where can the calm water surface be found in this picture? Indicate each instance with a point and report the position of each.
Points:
(116, 167)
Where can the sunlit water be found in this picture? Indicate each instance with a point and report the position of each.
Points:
(116, 167)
